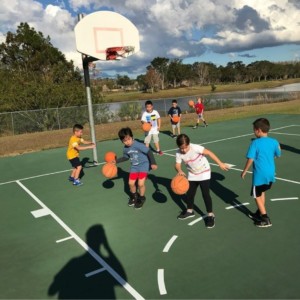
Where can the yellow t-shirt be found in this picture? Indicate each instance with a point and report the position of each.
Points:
(72, 152)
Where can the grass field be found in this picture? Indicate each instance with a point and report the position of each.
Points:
(63, 242)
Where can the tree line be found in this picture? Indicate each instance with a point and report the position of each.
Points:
(36, 75)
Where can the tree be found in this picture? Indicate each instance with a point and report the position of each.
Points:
(152, 79)
(160, 64)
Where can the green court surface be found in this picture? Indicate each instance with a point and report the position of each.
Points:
(65, 242)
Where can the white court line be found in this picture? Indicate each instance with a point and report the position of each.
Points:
(286, 133)
(94, 272)
(170, 242)
(161, 282)
(283, 199)
(65, 239)
(237, 205)
(63, 171)
(40, 212)
(113, 273)
(196, 221)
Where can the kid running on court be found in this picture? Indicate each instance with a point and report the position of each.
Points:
(174, 111)
(261, 153)
(199, 108)
(199, 174)
(152, 116)
(73, 153)
(142, 160)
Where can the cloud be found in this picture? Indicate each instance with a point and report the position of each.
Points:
(247, 55)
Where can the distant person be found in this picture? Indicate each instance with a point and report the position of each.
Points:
(152, 116)
(261, 154)
(142, 160)
(199, 109)
(174, 111)
(199, 174)
(73, 153)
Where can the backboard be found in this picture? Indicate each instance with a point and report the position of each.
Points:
(97, 33)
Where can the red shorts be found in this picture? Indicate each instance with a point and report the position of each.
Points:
(138, 175)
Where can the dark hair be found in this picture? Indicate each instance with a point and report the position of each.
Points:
(174, 101)
(77, 127)
(182, 139)
(123, 132)
(148, 102)
(262, 124)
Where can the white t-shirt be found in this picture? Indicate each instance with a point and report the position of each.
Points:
(197, 164)
(152, 118)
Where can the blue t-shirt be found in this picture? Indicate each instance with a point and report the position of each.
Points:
(263, 150)
(137, 153)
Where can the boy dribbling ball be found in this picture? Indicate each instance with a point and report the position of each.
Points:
(73, 153)
(174, 112)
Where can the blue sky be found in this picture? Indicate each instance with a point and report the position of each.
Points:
(214, 31)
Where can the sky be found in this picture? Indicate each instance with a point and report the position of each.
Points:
(214, 31)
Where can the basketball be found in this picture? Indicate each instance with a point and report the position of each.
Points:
(180, 185)
(175, 119)
(110, 156)
(109, 170)
(191, 103)
(146, 127)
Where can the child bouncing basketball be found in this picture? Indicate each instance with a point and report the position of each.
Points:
(142, 160)
(261, 154)
(199, 174)
(173, 112)
(73, 153)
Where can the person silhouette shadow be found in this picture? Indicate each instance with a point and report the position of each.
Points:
(83, 277)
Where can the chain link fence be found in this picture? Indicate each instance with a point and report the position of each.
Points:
(19, 122)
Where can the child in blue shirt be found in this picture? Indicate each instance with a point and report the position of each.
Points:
(142, 160)
(261, 153)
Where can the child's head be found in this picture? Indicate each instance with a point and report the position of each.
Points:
(199, 99)
(149, 106)
(77, 130)
(261, 126)
(183, 143)
(174, 103)
(126, 136)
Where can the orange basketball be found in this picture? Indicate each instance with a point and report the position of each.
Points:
(110, 156)
(180, 185)
(109, 170)
(146, 127)
(175, 119)
(191, 103)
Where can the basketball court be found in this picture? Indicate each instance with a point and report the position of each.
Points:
(60, 241)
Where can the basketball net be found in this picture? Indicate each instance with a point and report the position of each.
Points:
(118, 53)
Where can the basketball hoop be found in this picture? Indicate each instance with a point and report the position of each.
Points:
(118, 53)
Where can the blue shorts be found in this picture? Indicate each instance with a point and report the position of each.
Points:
(75, 162)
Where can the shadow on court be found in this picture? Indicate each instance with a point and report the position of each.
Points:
(290, 148)
(71, 281)
(225, 194)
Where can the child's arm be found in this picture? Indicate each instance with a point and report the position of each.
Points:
(87, 142)
(152, 160)
(158, 123)
(214, 157)
(80, 148)
(121, 159)
(247, 166)
(179, 170)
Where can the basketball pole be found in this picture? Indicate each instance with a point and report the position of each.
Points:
(85, 64)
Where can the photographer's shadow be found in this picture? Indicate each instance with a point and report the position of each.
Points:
(83, 277)
(225, 194)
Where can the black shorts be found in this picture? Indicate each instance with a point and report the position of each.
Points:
(75, 162)
(256, 191)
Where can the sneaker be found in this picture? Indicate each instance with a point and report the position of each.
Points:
(255, 216)
(185, 215)
(71, 178)
(263, 222)
(132, 199)
(174, 136)
(77, 182)
(195, 127)
(209, 222)
(139, 202)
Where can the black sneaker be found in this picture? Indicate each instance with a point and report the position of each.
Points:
(185, 215)
(263, 222)
(139, 202)
(209, 221)
(174, 136)
(132, 199)
(255, 216)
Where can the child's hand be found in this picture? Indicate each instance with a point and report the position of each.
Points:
(224, 167)
(154, 167)
(243, 174)
(181, 173)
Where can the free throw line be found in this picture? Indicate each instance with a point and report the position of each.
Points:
(170, 243)
(161, 281)
(284, 199)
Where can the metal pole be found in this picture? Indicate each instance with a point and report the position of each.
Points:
(85, 64)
